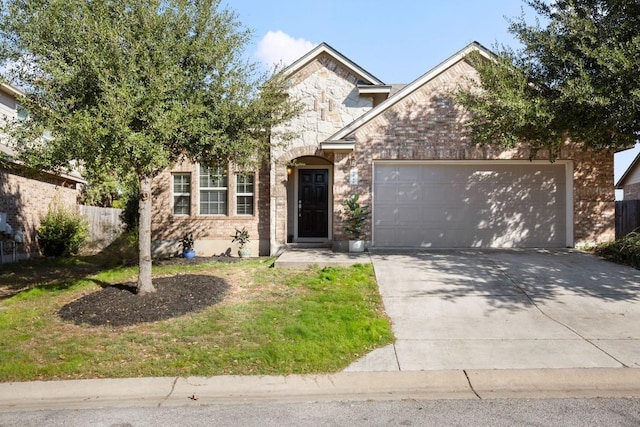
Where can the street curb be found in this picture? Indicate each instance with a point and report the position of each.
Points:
(340, 386)
(555, 383)
(343, 386)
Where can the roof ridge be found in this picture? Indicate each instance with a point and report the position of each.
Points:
(324, 47)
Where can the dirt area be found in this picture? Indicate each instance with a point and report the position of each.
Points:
(118, 305)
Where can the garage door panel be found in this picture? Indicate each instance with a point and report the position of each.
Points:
(385, 174)
(409, 194)
(409, 217)
(386, 216)
(407, 173)
(515, 205)
(386, 194)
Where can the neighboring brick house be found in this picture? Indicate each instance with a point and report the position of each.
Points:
(406, 151)
(629, 182)
(26, 194)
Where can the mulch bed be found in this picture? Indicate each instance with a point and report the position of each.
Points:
(118, 305)
(178, 260)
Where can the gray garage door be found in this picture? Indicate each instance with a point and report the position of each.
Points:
(469, 205)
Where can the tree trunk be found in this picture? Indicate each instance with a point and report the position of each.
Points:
(145, 285)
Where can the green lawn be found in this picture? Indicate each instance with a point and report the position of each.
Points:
(272, 321)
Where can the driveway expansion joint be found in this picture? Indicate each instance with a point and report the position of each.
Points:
(564, 325)
(395, 353)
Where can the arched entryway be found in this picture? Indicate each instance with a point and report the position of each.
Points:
(309, 200)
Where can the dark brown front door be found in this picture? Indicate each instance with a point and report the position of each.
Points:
(313, 202)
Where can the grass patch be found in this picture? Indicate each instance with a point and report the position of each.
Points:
(272, 321)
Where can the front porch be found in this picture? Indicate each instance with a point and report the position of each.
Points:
(302, 204)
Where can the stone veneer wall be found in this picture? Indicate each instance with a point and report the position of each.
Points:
(330, 100)
(211, 232)
(26, 196)
(427, 125)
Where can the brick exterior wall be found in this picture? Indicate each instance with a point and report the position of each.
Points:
(631, 191)
(211, 233)
(427, 125)
(26, 196)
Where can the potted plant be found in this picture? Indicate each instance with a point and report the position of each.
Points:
(242, 237)
(356, 215)
(187, 246)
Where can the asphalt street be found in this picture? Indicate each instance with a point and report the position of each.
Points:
(502, 412)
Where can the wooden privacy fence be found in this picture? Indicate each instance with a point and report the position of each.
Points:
(105, 225)
(627, 217)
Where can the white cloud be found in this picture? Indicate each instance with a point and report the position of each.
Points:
(277, 47)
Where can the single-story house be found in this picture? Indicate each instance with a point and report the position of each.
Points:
(26, 194)
(405, 150)
(629, 182)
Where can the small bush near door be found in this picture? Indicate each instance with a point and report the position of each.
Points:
(61, 232)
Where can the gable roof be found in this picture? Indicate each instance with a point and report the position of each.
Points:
(10, 154)
(628, 172)
(367, 77)
(409, 89)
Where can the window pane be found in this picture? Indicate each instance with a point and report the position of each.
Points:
(244, 194)
(244, 206)
(213, 202)
(244, 183)
(181, 205)
(21, 112)
(182, 194)
(181, 183)
(213, 177)
(213, 190)
(204, 177)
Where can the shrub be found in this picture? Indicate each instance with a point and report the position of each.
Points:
(625, 250)
(356, 216)
(129, 215)
(61, 232)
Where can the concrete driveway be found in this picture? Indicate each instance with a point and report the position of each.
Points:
(506, 309)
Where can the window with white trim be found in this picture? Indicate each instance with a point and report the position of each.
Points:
(213, 190)
(244, 193)
(182, 194)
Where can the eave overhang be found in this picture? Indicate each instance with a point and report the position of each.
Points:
(620, 184)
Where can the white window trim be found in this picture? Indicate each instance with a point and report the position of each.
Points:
(174, 194)
(252, 194)
(201, 188)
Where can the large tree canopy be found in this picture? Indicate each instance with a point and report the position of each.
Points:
(576, 77)
(134, 85)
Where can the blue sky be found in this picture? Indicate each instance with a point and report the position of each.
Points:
(396, 41)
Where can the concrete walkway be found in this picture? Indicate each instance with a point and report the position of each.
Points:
(301, 258)
(506, 309)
